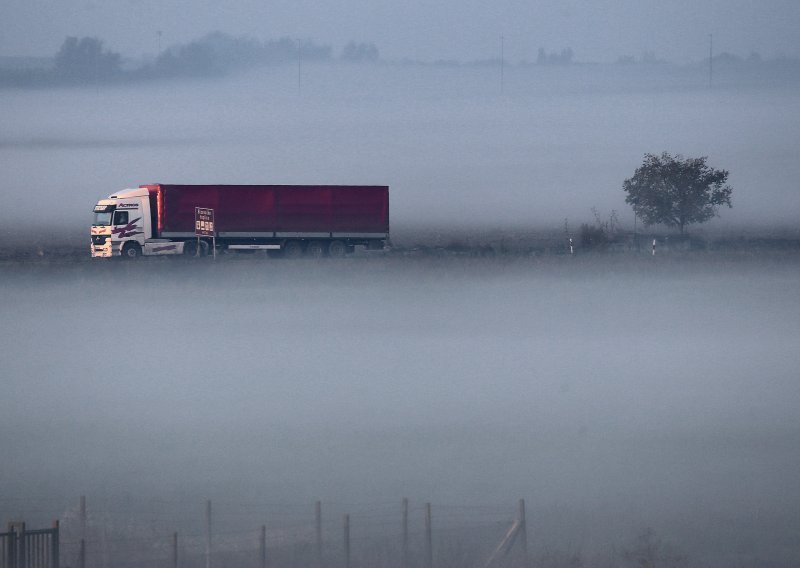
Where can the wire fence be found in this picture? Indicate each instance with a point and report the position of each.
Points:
(129, 532)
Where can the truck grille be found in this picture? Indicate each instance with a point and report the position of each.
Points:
(99, 239)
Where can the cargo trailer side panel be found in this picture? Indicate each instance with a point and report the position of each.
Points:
(246, 209)
(176, 205)
(360, 210)
(261, 209)
(304, 209)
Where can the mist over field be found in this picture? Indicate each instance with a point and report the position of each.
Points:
(612, 394)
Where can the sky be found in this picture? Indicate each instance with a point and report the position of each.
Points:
(602, 30)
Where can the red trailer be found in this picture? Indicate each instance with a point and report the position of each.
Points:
(293, 219)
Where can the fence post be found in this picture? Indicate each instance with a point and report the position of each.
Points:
(262, 547)
(428, 537)
(13, 546)
(21, 556)
(83, 516)
(174, 550)
(82, 554)
(208, 533)
(54, 544)
(347, 541)
(318, 532)
(82, 550)
(404, 560)
(523, 533)
(5, 547)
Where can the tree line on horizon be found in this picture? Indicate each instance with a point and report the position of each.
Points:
(87, 60)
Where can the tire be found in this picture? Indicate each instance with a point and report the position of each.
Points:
(337, 249)
(315, 249)
(293, 249)
(131, 251)
(190, 248)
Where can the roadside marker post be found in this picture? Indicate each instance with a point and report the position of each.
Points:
(204, 227)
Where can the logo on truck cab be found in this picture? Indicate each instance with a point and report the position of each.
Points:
(127, 230)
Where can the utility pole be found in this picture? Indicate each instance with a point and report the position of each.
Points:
(299, 65)
(710, 58)
(318, 531)
(262, 547)
(97, 69)
(404, 559)
(428, 560)
(208, 534)
(82, 548)
(502, 64)
(346, 523)
(523, 532)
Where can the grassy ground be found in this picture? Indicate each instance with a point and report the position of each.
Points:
(71, 245)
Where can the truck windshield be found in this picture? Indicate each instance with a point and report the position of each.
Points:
(103, 218)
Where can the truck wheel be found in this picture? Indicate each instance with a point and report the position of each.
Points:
(131, 251)
(337, 249)
(315, 249)
(293, 249)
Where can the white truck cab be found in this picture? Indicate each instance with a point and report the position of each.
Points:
(123, 226)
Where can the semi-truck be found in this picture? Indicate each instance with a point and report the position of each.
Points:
(285, 220)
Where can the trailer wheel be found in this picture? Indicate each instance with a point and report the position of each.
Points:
(315, 249)
(337, 249)
(131, 251)
(293, 249)
(190, 248)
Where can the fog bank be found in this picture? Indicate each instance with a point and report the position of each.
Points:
(643, 392)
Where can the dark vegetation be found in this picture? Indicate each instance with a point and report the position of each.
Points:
(675, 191)
(217, 54)
(88, 61)
(86, 58)
(360, 52)
(565, 57)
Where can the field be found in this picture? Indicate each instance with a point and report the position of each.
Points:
(613, 392)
